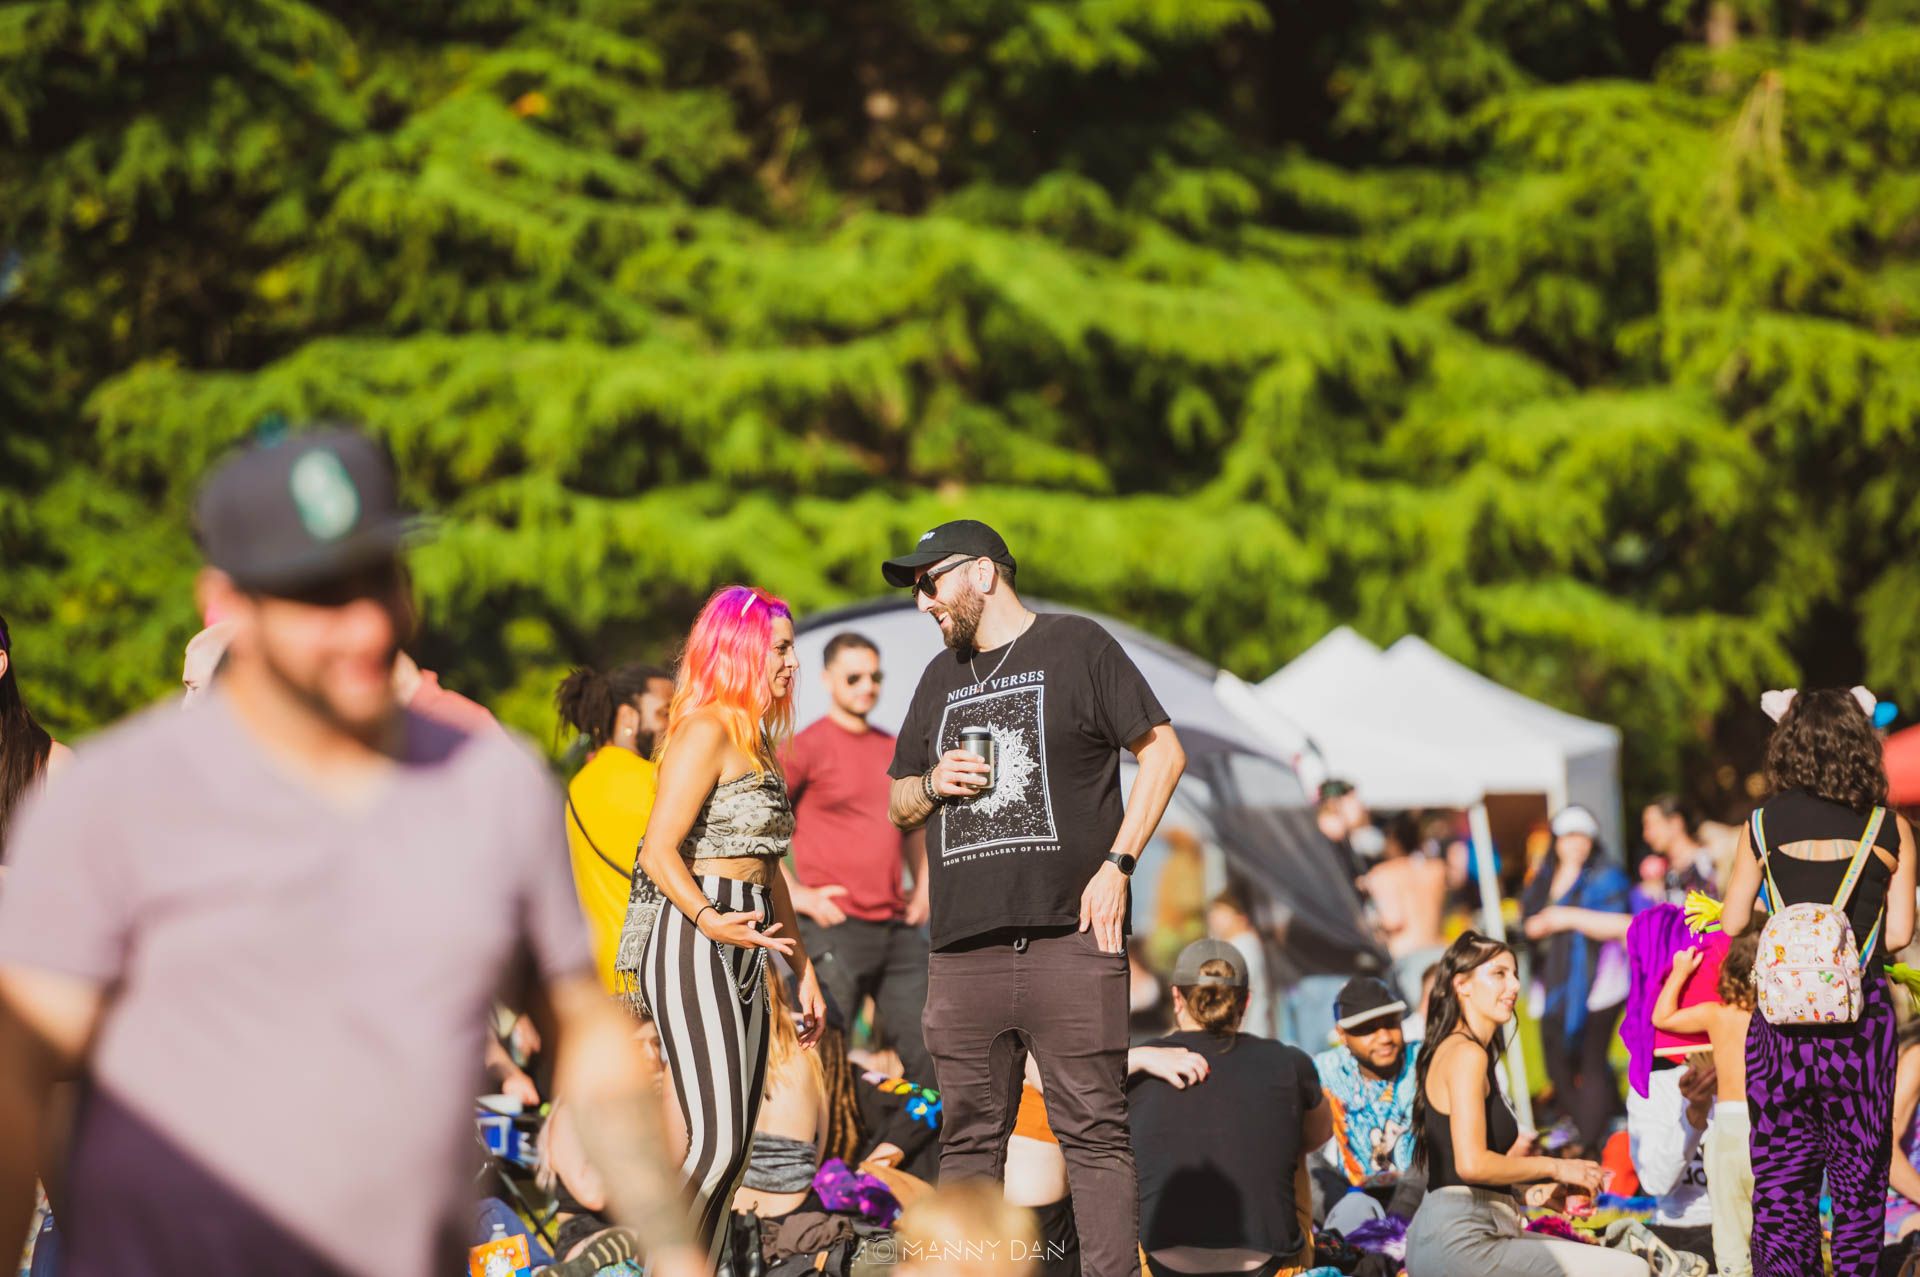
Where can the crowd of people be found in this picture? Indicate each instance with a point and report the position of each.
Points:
(834, 999)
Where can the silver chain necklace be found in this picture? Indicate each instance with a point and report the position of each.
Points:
(1031, 618)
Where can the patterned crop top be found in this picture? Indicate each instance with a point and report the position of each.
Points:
(746, 816)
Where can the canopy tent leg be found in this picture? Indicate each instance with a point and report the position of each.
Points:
(1494, 925)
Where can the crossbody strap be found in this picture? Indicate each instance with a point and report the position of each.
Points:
(605, 859)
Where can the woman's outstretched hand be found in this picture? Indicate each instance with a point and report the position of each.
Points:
(744, 931)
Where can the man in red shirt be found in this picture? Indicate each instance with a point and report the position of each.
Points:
(862, 927)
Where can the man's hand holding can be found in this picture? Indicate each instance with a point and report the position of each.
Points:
(960, 774)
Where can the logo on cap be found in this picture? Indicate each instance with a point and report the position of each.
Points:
(324, 494)
(926, 537)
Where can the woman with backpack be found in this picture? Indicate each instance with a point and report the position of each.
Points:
(1838, 872)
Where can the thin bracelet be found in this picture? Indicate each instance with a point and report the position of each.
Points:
(696, 917)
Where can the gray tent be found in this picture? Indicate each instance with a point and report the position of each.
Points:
(1236, 795)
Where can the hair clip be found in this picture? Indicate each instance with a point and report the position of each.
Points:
(752, 598)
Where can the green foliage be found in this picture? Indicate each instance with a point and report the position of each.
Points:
(1543, 330)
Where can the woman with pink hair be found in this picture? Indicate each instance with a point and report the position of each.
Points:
(720, 825)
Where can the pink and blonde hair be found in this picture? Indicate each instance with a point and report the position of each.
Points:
(724, 669)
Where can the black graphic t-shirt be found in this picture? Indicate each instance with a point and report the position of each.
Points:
(1061, 708)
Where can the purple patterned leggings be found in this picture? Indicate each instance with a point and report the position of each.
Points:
(1822, 1104)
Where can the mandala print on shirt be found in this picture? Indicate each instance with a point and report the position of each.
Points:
(1015, 764)
(1020, 807)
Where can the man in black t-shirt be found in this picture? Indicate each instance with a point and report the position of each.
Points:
(1029, 873)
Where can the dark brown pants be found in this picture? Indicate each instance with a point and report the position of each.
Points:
(1057, 994)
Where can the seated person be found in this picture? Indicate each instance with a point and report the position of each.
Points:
(1222, 1163)
(1036, 1170)
(791, 1130)
(811, 1115)
(899, 1116)
(1369, 1085)
(582, 1231)
(584, 1239)
(1471, 1223)
(1036, 1178)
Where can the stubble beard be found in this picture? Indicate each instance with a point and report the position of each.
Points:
(1391, 1070)
(317, 703)
(963, 621)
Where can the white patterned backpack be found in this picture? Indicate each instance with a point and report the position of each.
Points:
(1807, 969)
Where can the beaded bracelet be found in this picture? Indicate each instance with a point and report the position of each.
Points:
(926, 787)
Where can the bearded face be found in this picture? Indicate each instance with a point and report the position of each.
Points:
(960, 619)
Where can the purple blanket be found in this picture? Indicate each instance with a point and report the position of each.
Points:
(855, 1193)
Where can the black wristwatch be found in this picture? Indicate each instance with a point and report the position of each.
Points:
(1125, 861)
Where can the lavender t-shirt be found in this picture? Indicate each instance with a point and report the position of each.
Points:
(283, 1079)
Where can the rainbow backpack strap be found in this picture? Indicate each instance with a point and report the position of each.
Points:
(1852, 880)
(1770, 895)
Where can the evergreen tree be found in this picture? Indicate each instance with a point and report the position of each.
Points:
(1574, 337)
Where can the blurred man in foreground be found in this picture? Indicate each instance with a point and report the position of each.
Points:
(267, 932)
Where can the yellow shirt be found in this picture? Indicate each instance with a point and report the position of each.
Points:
(613, 795)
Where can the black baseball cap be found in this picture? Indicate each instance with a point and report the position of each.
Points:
(283, 516)
(962, 536)
(1363, 1000)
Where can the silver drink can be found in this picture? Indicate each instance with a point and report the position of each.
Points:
(978, 741)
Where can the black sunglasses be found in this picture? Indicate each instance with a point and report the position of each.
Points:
(854, 680)
(925, 584)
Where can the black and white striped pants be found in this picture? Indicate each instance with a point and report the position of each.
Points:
(710, 1006)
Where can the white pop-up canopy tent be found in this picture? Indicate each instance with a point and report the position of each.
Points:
(1415, 728)
(1589, 768)
(1340, 696)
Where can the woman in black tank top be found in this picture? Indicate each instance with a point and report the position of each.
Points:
(1820, 1096)
(1469, 1224)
